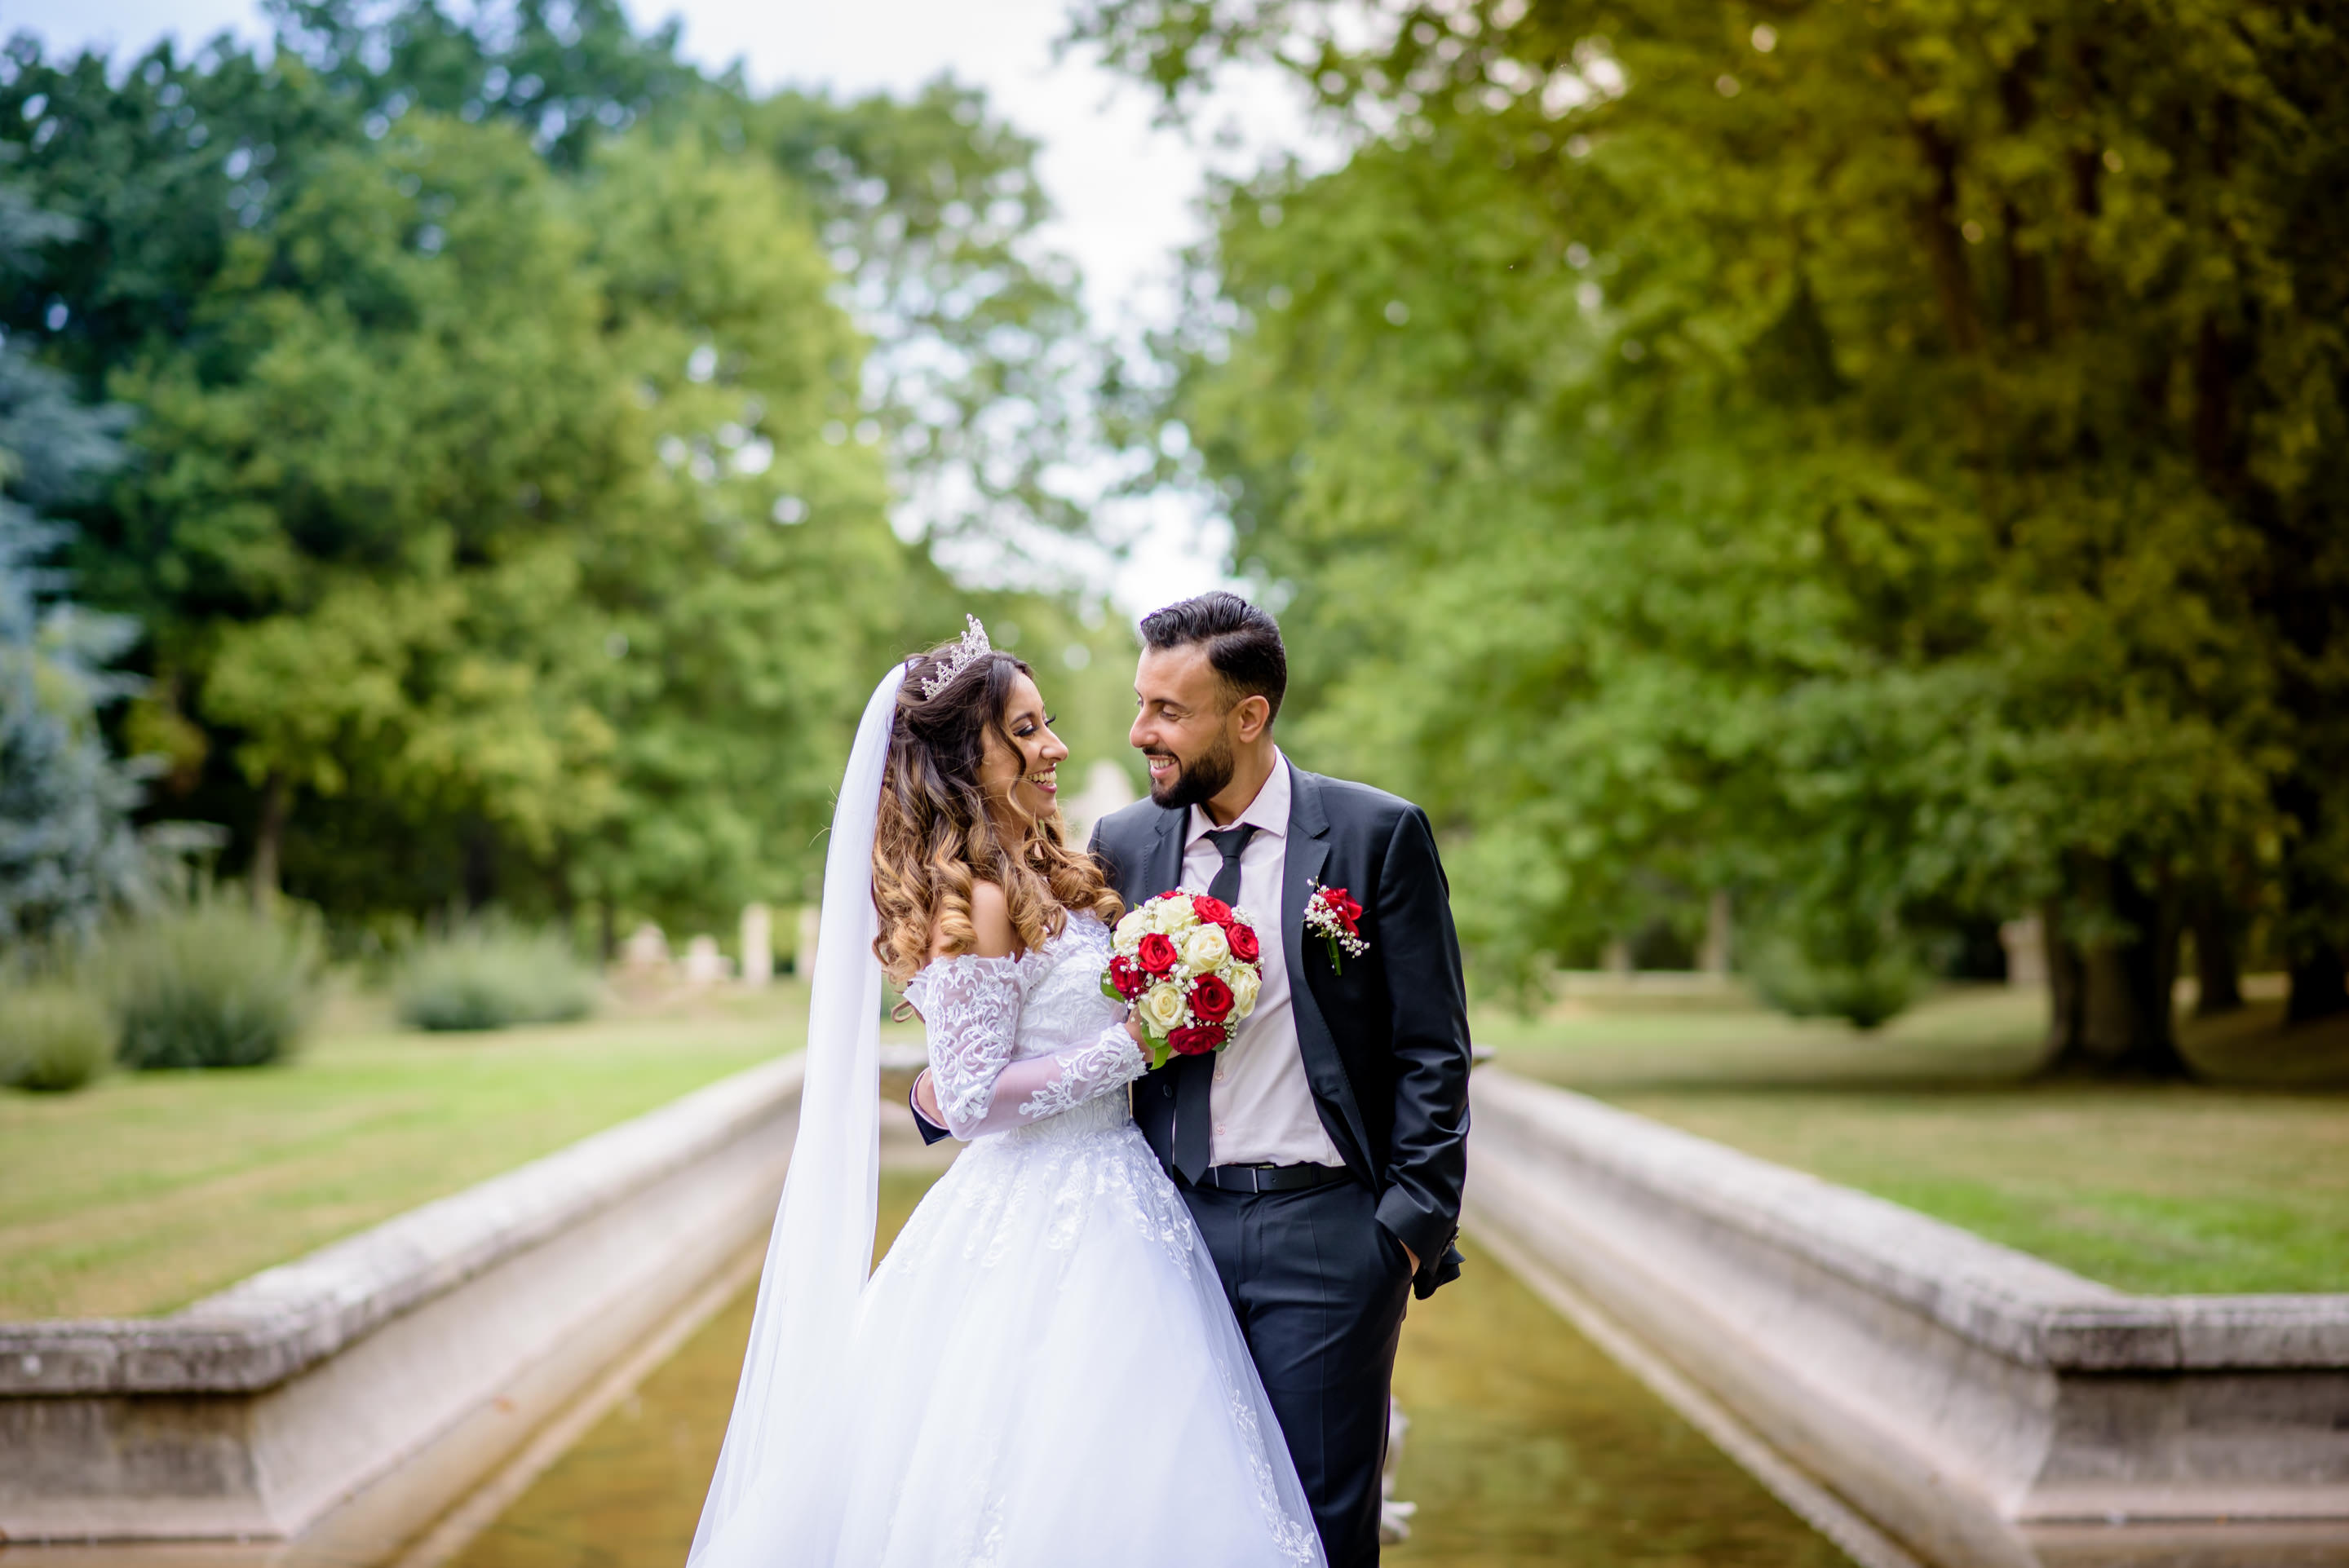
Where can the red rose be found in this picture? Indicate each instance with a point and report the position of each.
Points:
(1194, 1039)
(1244, 943)
(1214, 911)
(1158, 954)
(1128, 980)
(1211, 999)
(1343, 906)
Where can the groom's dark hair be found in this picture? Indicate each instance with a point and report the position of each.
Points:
(1243, 643)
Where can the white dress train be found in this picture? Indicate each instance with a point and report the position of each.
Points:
(1043, 1372)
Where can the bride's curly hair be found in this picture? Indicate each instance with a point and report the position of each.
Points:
(934, 837)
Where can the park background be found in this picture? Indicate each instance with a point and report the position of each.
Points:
(1833, 508)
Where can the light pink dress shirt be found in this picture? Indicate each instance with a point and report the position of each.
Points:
(1262, 1102)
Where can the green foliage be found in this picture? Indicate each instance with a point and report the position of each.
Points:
(1865, 976)
(509, 516)
(930, 209)
(459, 512)
(67, 850)
(1878, 460)
(53, 1037)
(568, 76)
(488, 974)
(209, 982)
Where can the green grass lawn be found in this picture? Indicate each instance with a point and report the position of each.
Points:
(148, 1189)
(2240, 1183)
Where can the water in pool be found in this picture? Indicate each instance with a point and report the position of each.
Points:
(1526, 1446)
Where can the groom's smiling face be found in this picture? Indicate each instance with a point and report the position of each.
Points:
(1185, 725)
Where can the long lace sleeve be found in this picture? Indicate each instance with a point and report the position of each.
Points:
(1038, 1086)
(970, 1013)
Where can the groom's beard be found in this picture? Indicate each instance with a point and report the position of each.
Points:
(1197, 779)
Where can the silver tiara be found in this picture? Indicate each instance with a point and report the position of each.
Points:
(974, 643)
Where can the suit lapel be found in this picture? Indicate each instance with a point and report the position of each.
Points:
(1307, 851)
(1163, 868)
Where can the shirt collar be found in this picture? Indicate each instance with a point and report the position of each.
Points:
(1268, 813)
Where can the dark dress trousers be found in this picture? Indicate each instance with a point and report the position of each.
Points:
(1317, 1276)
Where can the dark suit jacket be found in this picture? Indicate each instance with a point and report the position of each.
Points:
(1385, 1040)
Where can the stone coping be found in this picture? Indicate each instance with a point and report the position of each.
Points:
(2021, 1307)
(267, 1328)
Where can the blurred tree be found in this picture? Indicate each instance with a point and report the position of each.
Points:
(67, 850)
(525, 505)
(569, 73)
(1875, 456)
(930, 210)
(754, 585)
(359, 488)
(509, 512)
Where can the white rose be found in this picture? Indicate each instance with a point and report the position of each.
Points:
(1162, 1007)
(1206, 948)
(1173, 915)
(1132, 929)
(1243, 981)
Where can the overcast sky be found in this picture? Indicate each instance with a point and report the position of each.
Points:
(1126, 192)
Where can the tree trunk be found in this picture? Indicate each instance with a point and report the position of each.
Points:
(2218, 928)
(2314, 896)
(2110, 996)
(2063, 983)
(481, 871)
(1945, 247)
(566, 901)
(607, 930)
(2319, 987)
(269, 841)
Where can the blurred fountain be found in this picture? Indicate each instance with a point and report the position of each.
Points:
(758, 944)
(646, 953)
(803, 955)
(704, 963)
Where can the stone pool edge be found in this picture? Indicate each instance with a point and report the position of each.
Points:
(1969, 1400)
(382, 1375)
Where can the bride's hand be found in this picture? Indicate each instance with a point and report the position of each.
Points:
(1133, 1028)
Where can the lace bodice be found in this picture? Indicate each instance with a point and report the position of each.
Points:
(1015, 1041)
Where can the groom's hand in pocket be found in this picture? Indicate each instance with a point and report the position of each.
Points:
(1409, 1256)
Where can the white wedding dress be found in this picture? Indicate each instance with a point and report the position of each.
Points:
(1043, 1372)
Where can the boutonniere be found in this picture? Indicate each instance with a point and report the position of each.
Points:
(1332, 913)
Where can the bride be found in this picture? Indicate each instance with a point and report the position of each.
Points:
(1044, 1370)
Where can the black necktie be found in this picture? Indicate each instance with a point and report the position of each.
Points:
(1195, 1076)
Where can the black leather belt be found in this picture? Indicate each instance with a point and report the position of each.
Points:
(1272, 1178)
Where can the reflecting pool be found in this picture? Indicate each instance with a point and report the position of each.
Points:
(1526, 1446)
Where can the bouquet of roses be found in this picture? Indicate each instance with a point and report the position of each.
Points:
(1191, 966)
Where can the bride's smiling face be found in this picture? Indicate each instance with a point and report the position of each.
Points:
(1023, 773)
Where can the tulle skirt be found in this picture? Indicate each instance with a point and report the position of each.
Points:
(1044, 1372)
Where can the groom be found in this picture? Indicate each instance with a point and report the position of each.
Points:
(1321, 1153)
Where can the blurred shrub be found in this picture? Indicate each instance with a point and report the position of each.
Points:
(53, 1037)
(1844, 969)
(489, 974)
(210, 982)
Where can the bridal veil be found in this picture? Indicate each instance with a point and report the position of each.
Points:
(822, 1247)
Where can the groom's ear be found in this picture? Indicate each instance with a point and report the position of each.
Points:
(1255, 715)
